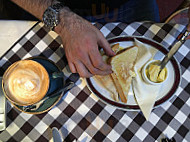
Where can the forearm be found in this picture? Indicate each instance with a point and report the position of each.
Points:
(35, 7)
(80, 39)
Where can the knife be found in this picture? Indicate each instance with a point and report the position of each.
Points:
(174, 49)
(56, 135)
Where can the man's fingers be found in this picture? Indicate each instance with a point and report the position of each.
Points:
(102, 42)
(72, 67)
(188, 26)
(94, 68)
(82, 70)
(97, 61)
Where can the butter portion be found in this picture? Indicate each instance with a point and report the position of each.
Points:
(154, 73)
(162, 75)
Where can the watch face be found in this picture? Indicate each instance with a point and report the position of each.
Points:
(50, 18)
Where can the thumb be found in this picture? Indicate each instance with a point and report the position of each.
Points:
(102, 42)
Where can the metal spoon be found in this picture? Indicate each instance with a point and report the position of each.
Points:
(174, 49)
(56, 135)
(35, 106)
(55, 75)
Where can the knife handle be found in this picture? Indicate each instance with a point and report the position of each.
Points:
(174, 49)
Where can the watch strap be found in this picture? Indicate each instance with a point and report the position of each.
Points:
(58, 6)
(55, 7)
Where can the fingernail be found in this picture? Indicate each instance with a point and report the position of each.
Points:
(113, 53)
(110, 71)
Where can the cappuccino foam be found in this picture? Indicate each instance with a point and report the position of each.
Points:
(26, 82)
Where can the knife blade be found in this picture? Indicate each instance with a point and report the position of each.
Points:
(56, 135)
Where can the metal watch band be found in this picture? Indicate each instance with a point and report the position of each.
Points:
(58, 6)
(51, 16)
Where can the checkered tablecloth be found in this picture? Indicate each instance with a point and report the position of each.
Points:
(81, 115)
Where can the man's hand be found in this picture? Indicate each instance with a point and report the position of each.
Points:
(188, 26)
(81, 41)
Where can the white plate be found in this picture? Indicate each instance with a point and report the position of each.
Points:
(168, 88)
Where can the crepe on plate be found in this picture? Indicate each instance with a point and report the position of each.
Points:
(118, 83)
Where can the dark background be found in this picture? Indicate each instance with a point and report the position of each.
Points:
(9, 10)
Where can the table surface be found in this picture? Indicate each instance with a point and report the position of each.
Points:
(80, 115)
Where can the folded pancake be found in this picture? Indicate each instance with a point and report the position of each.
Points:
(118, 83)
(123, 70)
(106, 81)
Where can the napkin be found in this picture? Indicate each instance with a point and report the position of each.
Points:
(1, 118)
(145, 94)
(11, 31)
(2, 109)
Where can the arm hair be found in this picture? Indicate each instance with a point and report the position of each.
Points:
(35, 7)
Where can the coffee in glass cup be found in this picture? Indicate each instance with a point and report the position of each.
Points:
(25, 82)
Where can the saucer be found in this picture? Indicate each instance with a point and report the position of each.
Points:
(55, 84)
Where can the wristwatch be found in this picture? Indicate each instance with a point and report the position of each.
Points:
(51, 15)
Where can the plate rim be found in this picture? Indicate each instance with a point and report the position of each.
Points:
(159, 102)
